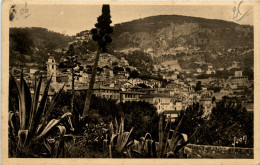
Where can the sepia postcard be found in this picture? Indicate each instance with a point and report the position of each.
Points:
(130, 82)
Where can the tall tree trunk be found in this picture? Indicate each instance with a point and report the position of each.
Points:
(73, 92)
(91, 85)
(73, 111)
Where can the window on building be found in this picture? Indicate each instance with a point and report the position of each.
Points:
(52, 66)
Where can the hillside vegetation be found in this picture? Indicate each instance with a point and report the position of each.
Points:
(165, 32)
(34, 44)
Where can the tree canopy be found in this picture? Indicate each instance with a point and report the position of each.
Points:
(226, 121)
(198, 86)
(140, 115)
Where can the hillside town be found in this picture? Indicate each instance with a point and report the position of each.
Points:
(170, 98)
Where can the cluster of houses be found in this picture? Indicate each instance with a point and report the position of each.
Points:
(177, 95)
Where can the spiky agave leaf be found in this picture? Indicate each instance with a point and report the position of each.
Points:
(34, 117)
(129, 144)
(47, 145)
(37, 91)
(149, 148)
(176, 141)
(147, 136)
(25, 102)
(116, 126)
(120, 138)
(173, 140)
(60, 146)
(53, 103)
(129, 152)
(110, 150)
(110, 132)
(68, 121)
(124, 139)
(14, 119)
(184, 136)
(13, 84)
(40, 110)
(52, 124)
(120, 133)
(34, 98)
(22, 138)
(146, 148)
(121, 129)
(165, 134)
(12, 122)
(24, 97)
(154, 151)
(62, 130)
(176, 150)
(110, 129)
(11, 115)
(137, 146)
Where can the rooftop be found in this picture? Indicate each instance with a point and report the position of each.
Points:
(157, 95)
(132, 92)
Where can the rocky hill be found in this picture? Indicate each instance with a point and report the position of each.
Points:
(187, 41)
(167, 33)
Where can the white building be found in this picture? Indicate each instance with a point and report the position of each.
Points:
(51, 68)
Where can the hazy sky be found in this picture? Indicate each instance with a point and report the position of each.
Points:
(71, 19)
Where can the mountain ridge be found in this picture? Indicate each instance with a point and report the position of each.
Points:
(171, 31)
(175, 36)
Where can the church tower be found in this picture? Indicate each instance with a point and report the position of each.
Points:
(51, 68)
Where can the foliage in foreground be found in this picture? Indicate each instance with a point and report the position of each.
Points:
(140, 115)
(29, 125)
(226, 121)
(172, 144)
(118, 138)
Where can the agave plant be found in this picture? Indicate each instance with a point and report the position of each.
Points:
(143, 147)
(118, 138)
(30, 122)
(167, 147)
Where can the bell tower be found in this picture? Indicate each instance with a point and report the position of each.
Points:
(51, 68)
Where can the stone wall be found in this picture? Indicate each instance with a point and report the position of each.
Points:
(220, 152)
